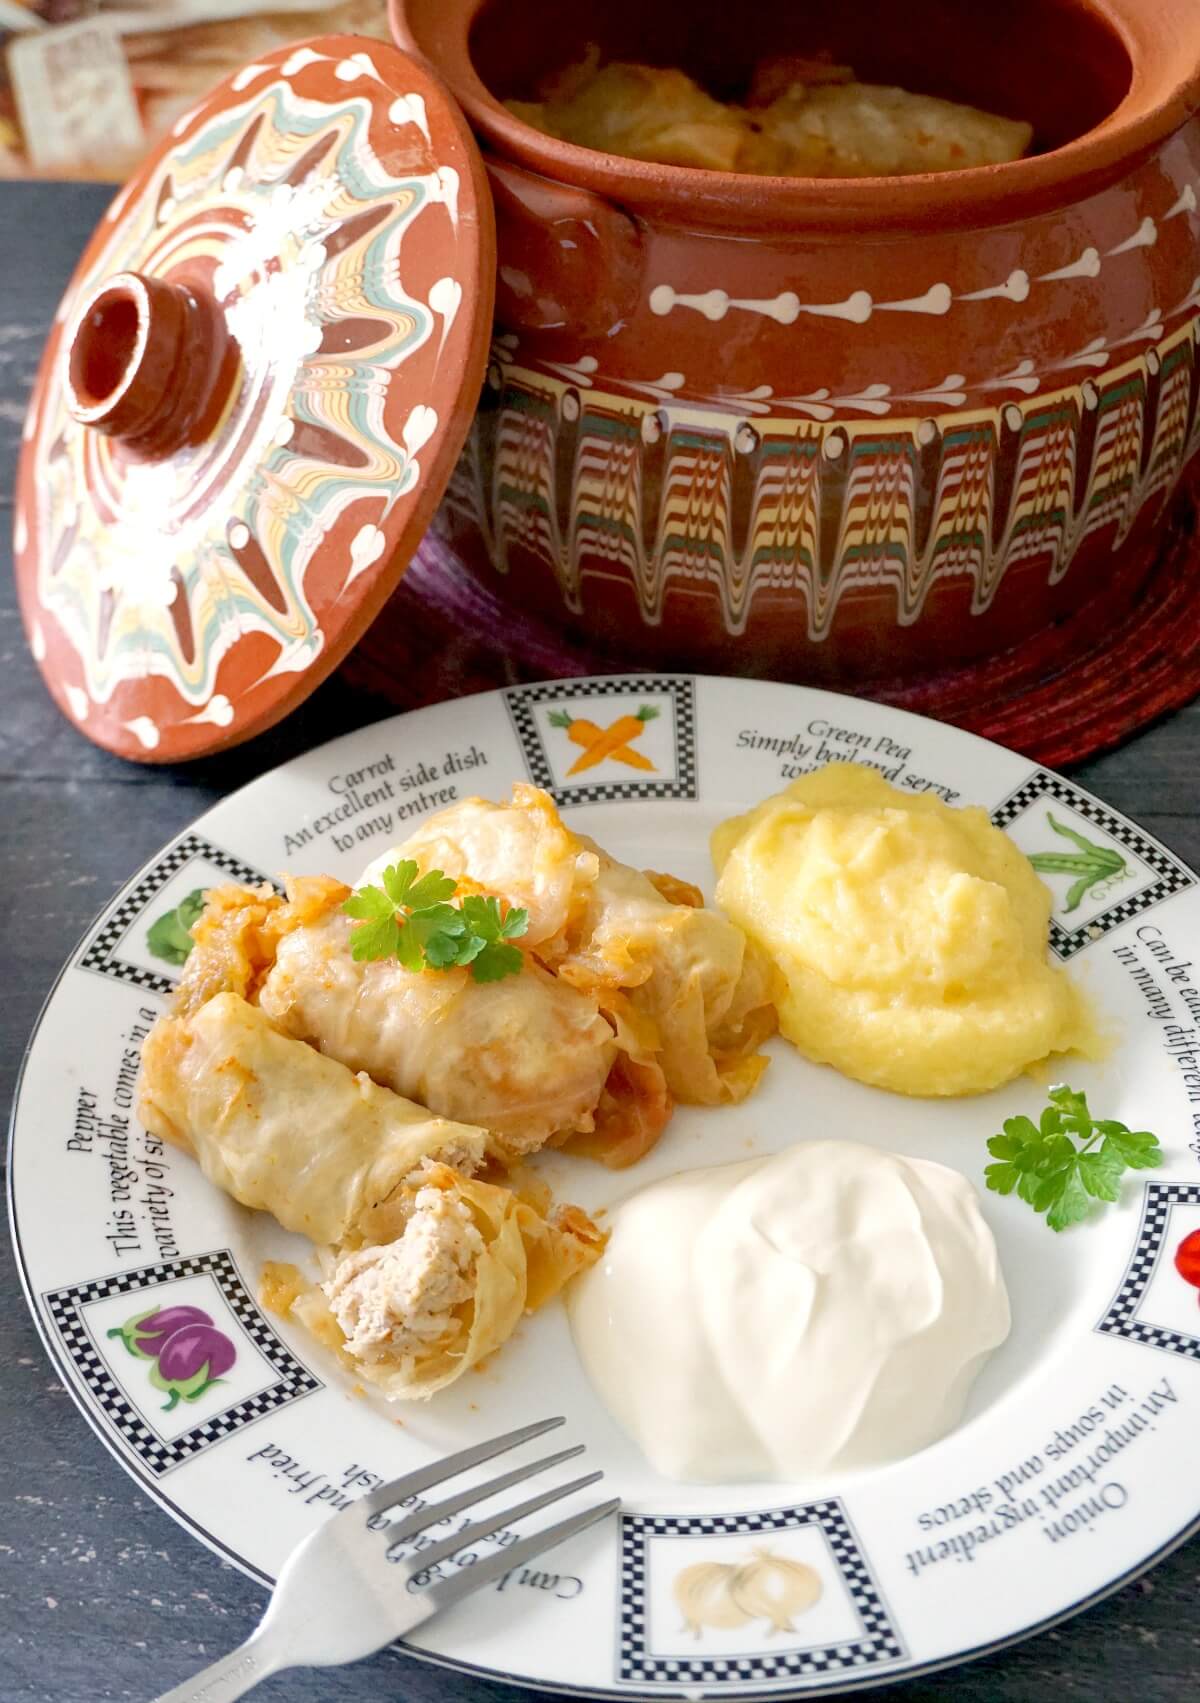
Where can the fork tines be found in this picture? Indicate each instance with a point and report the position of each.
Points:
(445, 1591)
(387, 1495)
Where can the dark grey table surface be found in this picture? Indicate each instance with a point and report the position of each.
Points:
(101, 1596)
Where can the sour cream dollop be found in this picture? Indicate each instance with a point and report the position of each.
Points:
(826, 1307)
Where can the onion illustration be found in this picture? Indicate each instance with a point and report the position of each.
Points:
(773, 1588)
(705, 1597)
(145, 1334)
(770, 1587)
(190, 1362)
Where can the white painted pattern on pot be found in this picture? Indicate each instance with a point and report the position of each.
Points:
(218, 710)
(859, 307)
(145, 731)
(877, 398)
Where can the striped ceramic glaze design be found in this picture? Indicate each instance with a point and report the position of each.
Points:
(808, 496)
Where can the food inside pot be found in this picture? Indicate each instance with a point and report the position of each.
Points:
(800, 117)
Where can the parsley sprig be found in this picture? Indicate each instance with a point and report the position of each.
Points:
(408, 918)
(1054, 1175)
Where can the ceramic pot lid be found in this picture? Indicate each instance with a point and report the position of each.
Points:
(252, 398)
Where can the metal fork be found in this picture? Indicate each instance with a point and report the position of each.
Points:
(339, 1597)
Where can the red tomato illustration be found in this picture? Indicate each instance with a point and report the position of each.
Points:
(1187, 1259)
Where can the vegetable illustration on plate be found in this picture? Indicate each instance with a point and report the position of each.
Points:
(1096, 867)
(190, 1354)
(169, 936)
(724, 1595)
(613, 741)
(1050, 1173)
(1187, 1260)
(190, 1362)
(145, 1335)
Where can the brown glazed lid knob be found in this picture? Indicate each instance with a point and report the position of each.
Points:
(150, 364)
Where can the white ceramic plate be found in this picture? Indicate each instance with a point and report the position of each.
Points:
(1075, 1465)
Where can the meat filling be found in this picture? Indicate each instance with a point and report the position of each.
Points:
(397, 1300)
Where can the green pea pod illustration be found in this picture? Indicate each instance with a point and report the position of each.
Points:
(1092, 864)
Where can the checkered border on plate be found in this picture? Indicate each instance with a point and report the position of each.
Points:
(681, 689)
(65, 1309)
(1120, 1319)
(880, 1642)
(101, 954)
(1171, 876)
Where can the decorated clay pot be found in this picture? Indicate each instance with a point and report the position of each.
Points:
(835, 429)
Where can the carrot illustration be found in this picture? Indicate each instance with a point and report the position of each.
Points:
(611, 741)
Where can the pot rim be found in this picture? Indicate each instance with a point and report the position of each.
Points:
(1160, 37)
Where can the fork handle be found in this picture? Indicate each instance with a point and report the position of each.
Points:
(231, 1676)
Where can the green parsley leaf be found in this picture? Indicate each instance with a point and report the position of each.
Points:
(409, 950)
(1004, 1147)
(469, 948)
(1044, 1167)
(1136, 1147)
(378, 938)
(515, 924)
(437, 932)
(443, 951)
(1057, 1154)
(496, 962)
(491, 959)
(1100, 1174)
(397, 879)
(1047, 1189)
(1021, 1130)
(370, 904)
(407, 917)
(1070, 1204)
(483, 916)
(1002, 1177)
(1073, 1106)
(434, 920)
(1051, 1121)
(1032, 1188)
(431, 889)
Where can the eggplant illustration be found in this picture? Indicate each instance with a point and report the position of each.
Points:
(191, 1361)
(145, 1334)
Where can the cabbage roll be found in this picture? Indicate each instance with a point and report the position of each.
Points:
(429, 1269)
(282, 1128)
(854, 129)
(804, 117)
(522, 851)
(705, 992)
(683, 986)
(457, 1263)
(526, 1057)
(641, 112)
(531, 1057)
